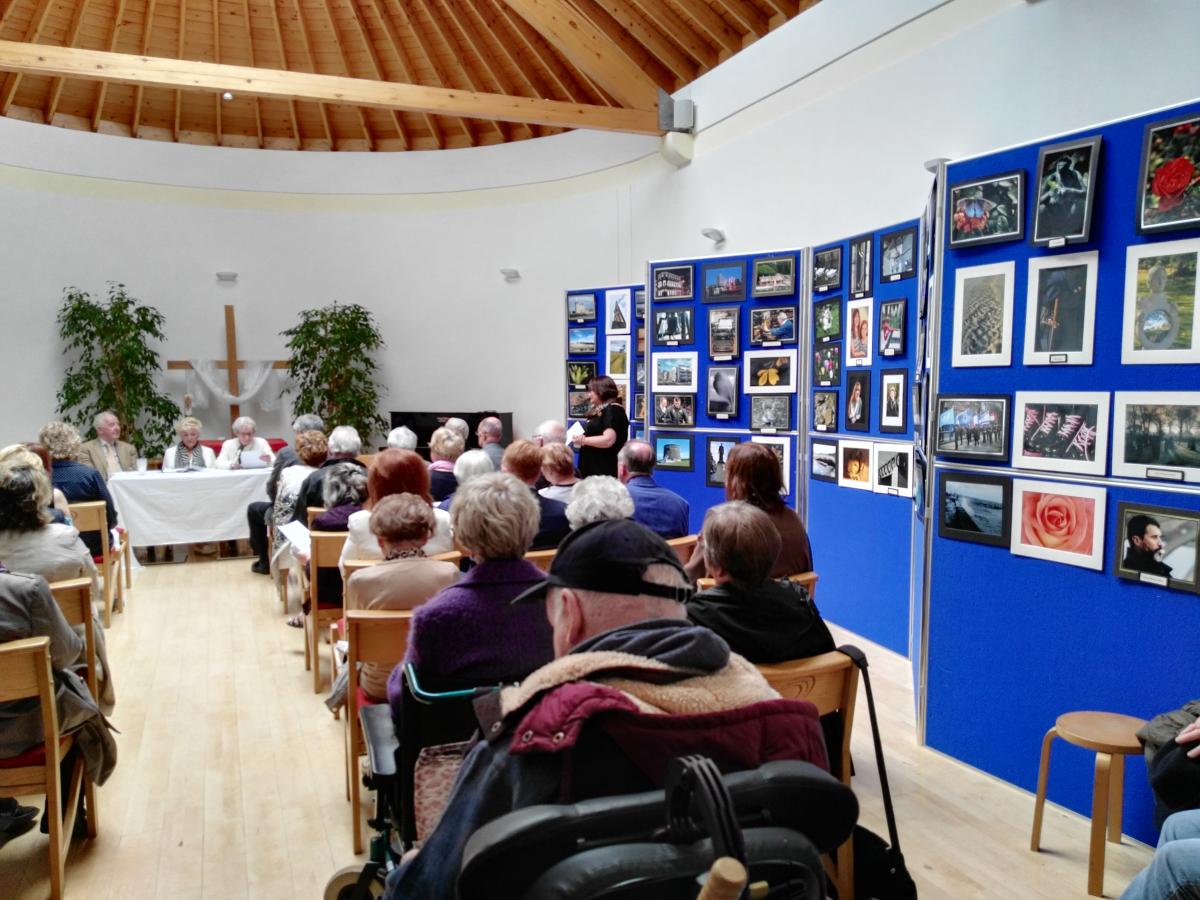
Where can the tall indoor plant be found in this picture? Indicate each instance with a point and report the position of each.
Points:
(331, 358)
(116, 367)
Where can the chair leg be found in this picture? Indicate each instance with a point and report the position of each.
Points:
(352, 764)
(118, 584)
(845, 868)
(107, 594)
(93, 811)
(1099, 815)
(1035, 839)
(347, 744)
(315, 633)
(307, 643)
(1116, 796)
(128, 554)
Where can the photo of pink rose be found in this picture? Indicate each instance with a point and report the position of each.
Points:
(1061, 523)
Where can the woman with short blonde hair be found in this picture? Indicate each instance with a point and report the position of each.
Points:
(187, 452)
(61, 439)
(558, 468)
(495, 517)
(445, 447)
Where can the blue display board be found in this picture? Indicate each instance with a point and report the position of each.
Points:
(1015, 641)
(604, 301)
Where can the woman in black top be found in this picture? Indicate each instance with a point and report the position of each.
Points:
(606, 430)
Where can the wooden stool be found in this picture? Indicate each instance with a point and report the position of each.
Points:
(1112, 736)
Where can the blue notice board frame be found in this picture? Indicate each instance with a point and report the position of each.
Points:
(600, 357)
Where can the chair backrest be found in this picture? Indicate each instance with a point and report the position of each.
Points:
(377, 635)
(808, 579)
(92, 515)
(366, 459)
(74, 598)
(24, 673)
(326, 550)
(454, 556)
(684, 546)
(541, 558)
(313, 512)
(350, 566)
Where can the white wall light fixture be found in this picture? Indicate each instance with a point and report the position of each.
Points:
(511, 274)
(227, 277)
(714, 234)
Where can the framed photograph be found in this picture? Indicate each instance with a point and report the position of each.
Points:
(618, 355)
(675, 410)
(770, 412)
(581, 341)
(860, 266)
(772, 325)
(1059, 522)
(1061, 431)
(639, 407)
(722, 392)
(717, 451)
(983, 311)
(919, 474)
(858, 401)
(770, 372)
(854, 465)
(897, 254)
(579, 373)
(893, 397)
(976, 508)
(827, 365)
(1066, 189)
(1060, 309)
(827, 320)
(673, 372)
(641, 340)
(639, 303)
(825, 404)
(622, 393)
(722, 282)
(619, 310)
(824, 456)
(893, 469)
(1161, 293)
(987, 210)
(1169, 192)
(673, 325)
(673, 451)
(639, 379)
(581, 307)
(774, 276)
(723, 338)
(782, 448)
(827, 270)
(972, 426)
(1156, 435)
(892, 334)
(1157, 545)
(578, 404)
(672, 282)
(858, 341)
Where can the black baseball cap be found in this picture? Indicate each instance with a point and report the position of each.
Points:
(610, 557)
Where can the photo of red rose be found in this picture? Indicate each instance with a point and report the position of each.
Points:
(1170, 186)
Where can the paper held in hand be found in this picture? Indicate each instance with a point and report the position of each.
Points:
(297, 535)
(574, 432)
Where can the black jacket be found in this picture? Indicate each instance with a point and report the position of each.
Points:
(773, 622)
(312, 489)
(553, 526)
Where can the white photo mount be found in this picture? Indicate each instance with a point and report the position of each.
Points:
(786, 445)
(672, 363)
(1003, 357)
(1156, 303)
(1024, 400)
(865, 310)
(868, 449)
(1039, 266)
(1058, 505)
(615, 344)
(786, 385)
(1155, 470)
(889, 454)
(618, 311)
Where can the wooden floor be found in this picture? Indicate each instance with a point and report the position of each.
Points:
(230, 780)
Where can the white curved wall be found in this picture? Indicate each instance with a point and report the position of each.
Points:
(819, 130)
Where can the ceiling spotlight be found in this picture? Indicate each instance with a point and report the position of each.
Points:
(716, 235)
(227, 96)
(511, 274)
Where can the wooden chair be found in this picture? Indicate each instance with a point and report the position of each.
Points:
(375, 636)
(808, 579)
(74, 598)
(684, 546)
(366, 459)
(454, 556)
(92, 516)
(336, 632)
(541, 558)
(313, 512)
(830, 683)
(25, 673)
(326, 549)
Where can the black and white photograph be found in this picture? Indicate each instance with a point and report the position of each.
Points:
(987, 210)
(1162, 295)
(639, 368)
(723, 339)
(578, 404)
(860, 266)
(1060, 309)
(770, 413)
(893, 395)
(858, 401)
(774, 276)
(580, 372)
(673, 372)
(717, 453)
(897, 254)
(770, 372)
(827, 365)
(581, 307)
(827, 270)
(673, 325)
(722, 282)
(672, 282)
(581, 341)
(983, 311)
(772, 325)
(618, 307)
(722, 392)
(675, 410)
(1157, 545)
(639, 303)
(825, 410)
(891, 327)
(854, 465)
(673, 452)
(893, 469)
(972, 426)
(1061, 431)
(824, 456)
(1156, 435)
(975, 508)
(1066, 188)
(827, 320)
(782, 448)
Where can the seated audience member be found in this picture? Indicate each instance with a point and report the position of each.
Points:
(661, 510)
(459, 427)
(753, 474)
(311, 450)
(256, 512)
(344, 446)
(244, 441)
(402, 438)
(590, 724)
(79, 483)
(524, 460)
(546, 435)
(489, 434)
(596, 499)
(187, 452)
(345, 492)
(470, 631)
(470, 465)
(445, 447)
(764, 620)
(558, 471)
(108, 453)
(36, 456)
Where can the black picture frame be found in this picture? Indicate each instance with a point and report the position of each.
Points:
(1187, 203)
(581, 308)
(682, 319)
(724, 331)
(579, 404)
(770, 413)
(722, 392)
(886, 377)
(586, 349)
(827, 320)
(974, 523)
(639, 303)
(639, 407)
(1057, 218)
(862, 267)
(774, 276)
(858, 420)
(761, 317)
(1125, 512)
(827, 365)
(891, 340)
(673, 282)
(577, 368)
(714, 462)
(664, 459)
(976, 199)
(730, 286)
(816, 467)
(967, 449)
(827, 270)
(679, 411)
(825, 411)
(905, 265)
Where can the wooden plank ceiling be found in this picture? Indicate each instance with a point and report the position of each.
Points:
(427, 74)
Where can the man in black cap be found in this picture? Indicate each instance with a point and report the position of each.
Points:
(632, 686)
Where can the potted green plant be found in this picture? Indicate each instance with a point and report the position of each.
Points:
(333, 368)
(116, 368)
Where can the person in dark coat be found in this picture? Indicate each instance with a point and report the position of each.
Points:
(524, 460)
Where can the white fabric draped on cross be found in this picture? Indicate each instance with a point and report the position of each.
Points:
(256, 373)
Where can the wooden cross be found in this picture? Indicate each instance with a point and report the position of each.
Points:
(231, 363)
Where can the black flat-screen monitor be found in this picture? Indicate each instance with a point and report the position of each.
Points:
(425, 423)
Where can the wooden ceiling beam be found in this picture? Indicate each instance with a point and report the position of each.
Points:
(536, 46)
(407, 69)
(258, 119)
(785, 8)
(755, 23)
(147, 27)
(642, 42)
(112, 45)
(672, 24)
(586, 46)
(124, 68)
(711, 24)
(56, 84)
(217, 100)
(439, 76)
(312, 67)
(283, 61)
(340, 43)
(13, 80)
(180, 34)
(377, 69)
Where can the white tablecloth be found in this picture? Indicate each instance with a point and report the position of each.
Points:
(186, 507)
